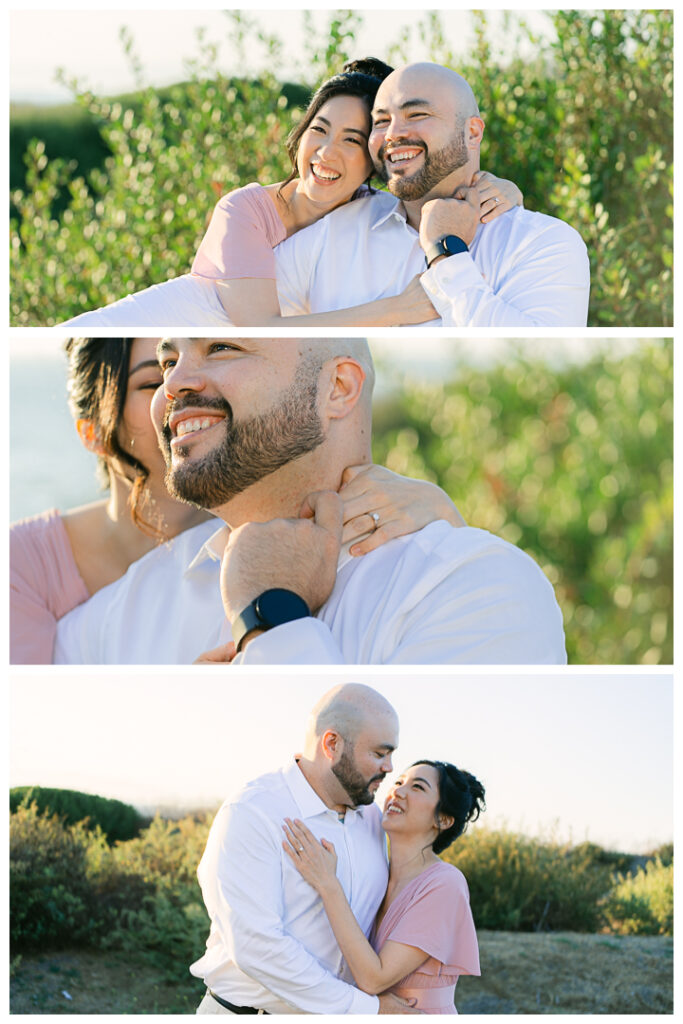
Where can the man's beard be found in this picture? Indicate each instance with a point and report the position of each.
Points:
(435, 167)
(251, 449)
(356, 786)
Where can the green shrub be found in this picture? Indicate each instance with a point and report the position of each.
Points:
(116, 819)
(572, 464)
(522, 884)
(643, 904)
(51, 899)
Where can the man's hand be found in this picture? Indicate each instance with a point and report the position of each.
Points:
(296, 554)
(389, 1003)
(458, 216)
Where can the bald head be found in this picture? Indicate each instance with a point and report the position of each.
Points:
(348, 710)
(425, 79)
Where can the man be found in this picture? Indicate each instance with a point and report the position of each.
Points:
(522, 269)
(271, 947)
(259, 432)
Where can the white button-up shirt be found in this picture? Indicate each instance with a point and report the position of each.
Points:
(523, 269)
(271, 945)
(439, 596)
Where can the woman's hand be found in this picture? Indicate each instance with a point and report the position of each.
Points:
(389, 505)
(412, 305)
(315, 861)
(221, 655)
(496, 195)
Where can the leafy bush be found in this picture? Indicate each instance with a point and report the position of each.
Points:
(522, 884)
(51, 899)
(116, 819)
(643, 904)
(585, 128)
(575, 466)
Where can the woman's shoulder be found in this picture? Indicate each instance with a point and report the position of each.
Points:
(445, 878)
(43, 529)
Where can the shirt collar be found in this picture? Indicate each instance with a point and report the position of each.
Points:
(212, 550)
(389, 208)
(306, 798)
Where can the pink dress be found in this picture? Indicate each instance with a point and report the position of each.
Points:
(245, 228)
(433, 913)
(45, 584)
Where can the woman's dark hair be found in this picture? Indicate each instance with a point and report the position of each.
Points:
(461, 797)
(97, 383)
(361, 78)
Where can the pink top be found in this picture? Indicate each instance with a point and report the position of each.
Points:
(245, 228)
(433, 913)
(45, 584)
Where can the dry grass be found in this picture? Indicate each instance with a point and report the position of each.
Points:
(521, 973)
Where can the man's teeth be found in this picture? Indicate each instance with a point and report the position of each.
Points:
(327, 175)
(188, 426)
(397, 158)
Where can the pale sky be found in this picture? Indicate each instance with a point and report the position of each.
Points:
(581, 755)
(86, 43)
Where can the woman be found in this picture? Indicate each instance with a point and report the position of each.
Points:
(423, 938)
(57, 561)
(234, 270)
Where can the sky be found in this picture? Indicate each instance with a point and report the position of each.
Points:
(566, 754)
(86, 44)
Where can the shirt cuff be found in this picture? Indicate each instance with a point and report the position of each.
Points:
(363, 1003)
(447, 284)
(305, 641)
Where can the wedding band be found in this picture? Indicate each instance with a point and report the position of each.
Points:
(375, 518)
(496, 199)
(301, 849)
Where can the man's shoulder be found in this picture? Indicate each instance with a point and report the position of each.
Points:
(519, 225)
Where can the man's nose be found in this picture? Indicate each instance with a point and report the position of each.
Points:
(387, 766)
(185, 375)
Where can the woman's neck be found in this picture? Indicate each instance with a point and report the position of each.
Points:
(296, 210)
(165, 516)
(410, 855)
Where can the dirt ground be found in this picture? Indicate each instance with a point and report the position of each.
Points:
(521, 973)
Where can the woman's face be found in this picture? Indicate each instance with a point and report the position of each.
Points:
(136, 433)
(333, 156)
(412, 801)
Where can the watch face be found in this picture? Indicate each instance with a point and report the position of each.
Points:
(453, 244)
(275, 607)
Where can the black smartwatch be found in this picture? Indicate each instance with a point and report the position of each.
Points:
(271, 608)
(449, 245)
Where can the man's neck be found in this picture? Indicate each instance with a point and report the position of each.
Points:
(315, 780)
(281, 494)
(444, 190)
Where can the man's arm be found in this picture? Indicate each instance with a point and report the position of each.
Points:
(241, 879)
(545, 281)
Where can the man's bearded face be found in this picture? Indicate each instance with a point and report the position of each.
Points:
(250, 449)
(435, 166)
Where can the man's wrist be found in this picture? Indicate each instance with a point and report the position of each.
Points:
(272, 608)
(447, 245)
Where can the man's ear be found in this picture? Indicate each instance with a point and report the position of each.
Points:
(344, 387)
(332, 744)
(474, 132)
(87, 431)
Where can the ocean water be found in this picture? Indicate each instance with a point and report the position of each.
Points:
(49, 468)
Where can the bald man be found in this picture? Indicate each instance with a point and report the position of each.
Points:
(270, 948)
(521, 269)
(259, 432)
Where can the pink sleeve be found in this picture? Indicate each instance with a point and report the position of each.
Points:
(45, 584)
(439, 922)
(240, 239)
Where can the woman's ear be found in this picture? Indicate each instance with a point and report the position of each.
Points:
(346, 381)
(444, 821)
(87, 431)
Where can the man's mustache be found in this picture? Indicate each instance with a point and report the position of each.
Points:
(195, 402)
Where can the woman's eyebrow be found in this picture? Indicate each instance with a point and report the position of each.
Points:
(356, 131)
(143, 365)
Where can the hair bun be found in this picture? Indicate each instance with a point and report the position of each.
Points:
(371, 66)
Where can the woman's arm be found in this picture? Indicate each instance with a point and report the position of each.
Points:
(496, 195)
(253, 302)
(316, 862)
